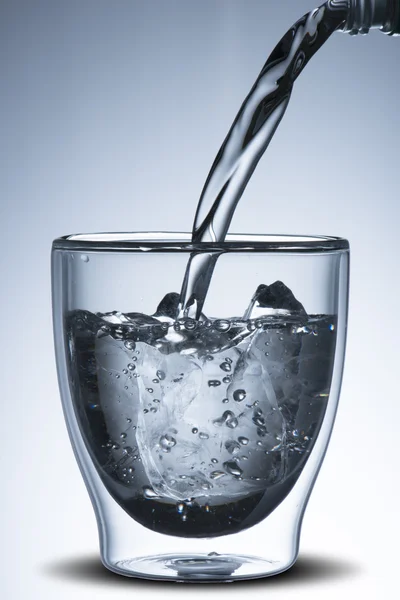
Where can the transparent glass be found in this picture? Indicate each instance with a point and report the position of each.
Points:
(199, 441)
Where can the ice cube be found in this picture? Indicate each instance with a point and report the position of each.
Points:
(169, 306)
(191, 435)
(273, 299)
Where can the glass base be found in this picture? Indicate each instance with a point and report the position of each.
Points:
(198, 567)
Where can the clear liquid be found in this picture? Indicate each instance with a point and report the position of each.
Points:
(247, 140)
(200, 428)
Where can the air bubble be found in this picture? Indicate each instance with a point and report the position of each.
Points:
(148, 492)
(227, 379)
(155, 381)
(195, 430)
(150, 390)
(217, 475)
(84, 258)
(160, 375)
(239, 395)
(228, 415)
(122, 436)
(243, 440)
(231, 422)
(222, 325)
(214, 461)
(203, 436)
(167, 442)
(225, 366)
(232, 468)
(232, 447)
(130, 345)
(131, 367)
(214, 383)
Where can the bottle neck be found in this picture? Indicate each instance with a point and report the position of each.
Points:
(364, 15)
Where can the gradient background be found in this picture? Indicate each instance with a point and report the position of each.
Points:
(111, 114)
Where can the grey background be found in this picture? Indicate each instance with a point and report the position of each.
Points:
(111, 114)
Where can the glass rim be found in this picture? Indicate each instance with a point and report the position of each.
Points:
(147, 241)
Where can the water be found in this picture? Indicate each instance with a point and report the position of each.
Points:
(201, 426)
(210, 430)
(247, 140)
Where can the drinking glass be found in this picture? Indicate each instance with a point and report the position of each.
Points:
(199, 440)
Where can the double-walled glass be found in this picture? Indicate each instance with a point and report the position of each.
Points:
(199, 440)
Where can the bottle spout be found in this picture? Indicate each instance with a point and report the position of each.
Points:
(364, 15)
